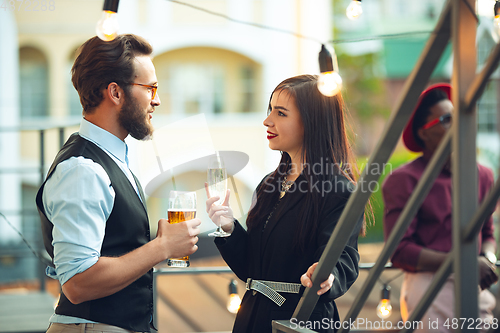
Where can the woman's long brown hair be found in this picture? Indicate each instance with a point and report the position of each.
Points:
(325, 143)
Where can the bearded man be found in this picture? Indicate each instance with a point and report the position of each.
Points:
(92, 208)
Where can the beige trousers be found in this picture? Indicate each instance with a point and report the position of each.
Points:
(435, 319)
(85, 328)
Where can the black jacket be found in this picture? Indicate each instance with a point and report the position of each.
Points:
(271, 255)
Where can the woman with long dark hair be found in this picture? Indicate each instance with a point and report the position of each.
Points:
(295, 210)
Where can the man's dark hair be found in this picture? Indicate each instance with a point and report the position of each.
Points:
(420, 117)
(99, 63)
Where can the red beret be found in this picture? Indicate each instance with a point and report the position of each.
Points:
(408, 138)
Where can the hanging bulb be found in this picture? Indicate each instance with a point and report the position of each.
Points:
(233, 304)
(384, 307)
(496, 20)
(234, 301)
(329, 81)
(354, 10)
(107, 27)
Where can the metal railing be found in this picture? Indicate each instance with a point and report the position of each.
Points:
(40, 169)
(222, 270)
(182, 271)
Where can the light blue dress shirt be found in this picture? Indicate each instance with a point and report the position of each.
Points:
(78, 199)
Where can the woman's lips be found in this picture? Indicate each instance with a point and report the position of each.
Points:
(271, 135)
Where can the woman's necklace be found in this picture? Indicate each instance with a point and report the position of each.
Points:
(285, 186)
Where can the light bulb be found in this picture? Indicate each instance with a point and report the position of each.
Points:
(329, 83)
(107, 27)
(233, 303)
(384, 309)
(354, 10)
(496, 24)
(496, 20)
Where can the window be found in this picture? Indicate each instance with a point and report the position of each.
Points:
(487, 109)
(487, 104)
(248, 89)
(34, 83)
(195, 88)
(74, 107)
(206, 80)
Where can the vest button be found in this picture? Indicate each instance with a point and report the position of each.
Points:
(147, 234)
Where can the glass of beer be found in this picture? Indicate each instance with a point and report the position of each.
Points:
(181, 207)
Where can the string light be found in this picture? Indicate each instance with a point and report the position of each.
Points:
(107, 27)
(234, 301)
(329, 81)
(384, 307)
(354, 10)
(335, 41)
(496, 20)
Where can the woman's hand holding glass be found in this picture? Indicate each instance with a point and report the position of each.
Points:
(221, 215)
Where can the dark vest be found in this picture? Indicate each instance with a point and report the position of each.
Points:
(127, 228)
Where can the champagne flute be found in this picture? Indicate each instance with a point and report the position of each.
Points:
(217, 186)
(181, 207)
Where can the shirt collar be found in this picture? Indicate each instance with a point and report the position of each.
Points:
(104, 139)
(426, 158)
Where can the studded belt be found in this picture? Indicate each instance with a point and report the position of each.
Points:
(270, 289)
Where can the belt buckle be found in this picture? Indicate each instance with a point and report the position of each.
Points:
(248, 285)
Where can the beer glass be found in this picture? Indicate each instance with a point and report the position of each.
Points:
(217, 186)
(181, 207)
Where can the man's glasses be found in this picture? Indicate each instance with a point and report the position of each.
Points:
(153, 88)
(444, 120)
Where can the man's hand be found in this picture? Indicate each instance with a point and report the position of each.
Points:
(111, 274)
(179, 239)
(487, 273)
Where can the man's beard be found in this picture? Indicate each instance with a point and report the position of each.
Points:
(134, 121)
